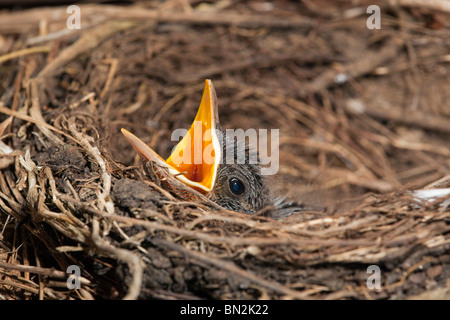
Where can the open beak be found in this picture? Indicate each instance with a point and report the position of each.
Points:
(195, 159)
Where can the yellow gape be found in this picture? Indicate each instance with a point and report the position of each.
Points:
(195, 159)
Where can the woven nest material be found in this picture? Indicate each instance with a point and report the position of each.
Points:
(73, 191)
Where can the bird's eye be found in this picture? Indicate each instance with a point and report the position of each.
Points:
(236, 186)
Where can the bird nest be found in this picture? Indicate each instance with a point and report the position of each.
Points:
(75, 194)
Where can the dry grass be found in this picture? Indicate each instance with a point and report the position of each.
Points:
(72, 191)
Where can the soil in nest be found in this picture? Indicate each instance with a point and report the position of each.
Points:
(363, 117)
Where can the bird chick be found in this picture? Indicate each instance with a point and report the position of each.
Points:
(240, 186)
(234, 185)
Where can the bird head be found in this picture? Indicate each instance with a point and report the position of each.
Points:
(198, 161)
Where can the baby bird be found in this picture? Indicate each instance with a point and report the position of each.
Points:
(240, 186)
(202, 161)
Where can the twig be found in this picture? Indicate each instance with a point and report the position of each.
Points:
(47, 272)
(23, 52)
(37, 121)
(415, 119)
(51, 36)
(112, 71)
(104, 196)
(35, 111)
(19, 285)
(88, 41)
(440, 5)
(133, 260)
(97, 14)
(441, 183)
